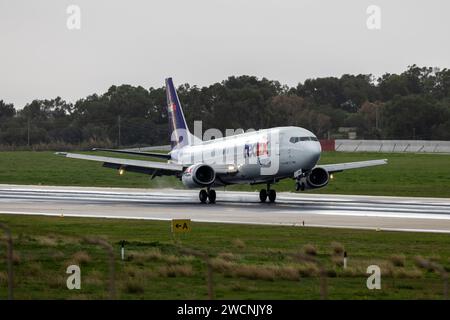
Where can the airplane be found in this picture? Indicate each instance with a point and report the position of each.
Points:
(257, 157)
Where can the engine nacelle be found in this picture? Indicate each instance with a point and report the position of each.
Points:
(198, 176)
(317, 178)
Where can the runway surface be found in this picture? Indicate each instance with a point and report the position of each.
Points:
(336, 211)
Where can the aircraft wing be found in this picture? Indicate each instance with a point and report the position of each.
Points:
(148, 167)
(138, 153)
(352, 165)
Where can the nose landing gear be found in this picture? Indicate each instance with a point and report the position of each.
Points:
(299, 186)
(299, 183)
(209, 194)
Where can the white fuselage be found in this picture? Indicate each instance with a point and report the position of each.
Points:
(260, 156)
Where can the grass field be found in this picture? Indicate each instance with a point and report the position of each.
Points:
(249, 262)
(426, 175)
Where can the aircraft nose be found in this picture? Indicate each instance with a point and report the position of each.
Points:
(313, 150)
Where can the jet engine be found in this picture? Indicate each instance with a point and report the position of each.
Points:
(198, 176)
(317, 178)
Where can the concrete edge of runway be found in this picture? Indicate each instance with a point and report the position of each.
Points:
(49, 214)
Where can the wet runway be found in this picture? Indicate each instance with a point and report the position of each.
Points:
(334, 211)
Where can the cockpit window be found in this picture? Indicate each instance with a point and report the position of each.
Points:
(297, 139)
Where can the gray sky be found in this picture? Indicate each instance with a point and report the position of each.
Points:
(205, 41)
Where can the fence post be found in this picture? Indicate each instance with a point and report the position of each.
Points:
(323, 282)
(9, 258)
(437, 268)
(210, 279)
(110, 251)
(209, 269)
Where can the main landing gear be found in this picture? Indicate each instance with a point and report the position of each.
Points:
(267, 193)
(208, 194)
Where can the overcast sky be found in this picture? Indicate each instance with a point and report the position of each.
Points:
(205, 41)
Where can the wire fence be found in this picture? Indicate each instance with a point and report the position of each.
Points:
(9, 259)
(212, 268)
(398, 146)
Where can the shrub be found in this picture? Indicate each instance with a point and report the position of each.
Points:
(309, 249)
(288, 273)
(398, 260)
(338, 248)
(176, 271)
(3, 278)
(16, 259)
(238, 243)
(134, 286)
(80, 258)
(150, 255)
(221, 265)
(338, 261)
(254, 272)
(422, 263)
(409, 274)
(228, 256)
(308, 270)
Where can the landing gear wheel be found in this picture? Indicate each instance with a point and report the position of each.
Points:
(212, 196)
(203, 196)
(272, 195)
(263, 195)
(299, 186)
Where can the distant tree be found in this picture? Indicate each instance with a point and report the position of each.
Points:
(442, 84)
(323, 91)
(6, 110)
(414, 103)
(291, 110)
(391, 85)
(357, 90)
(285, 109)
(412, 117)
(371, 115)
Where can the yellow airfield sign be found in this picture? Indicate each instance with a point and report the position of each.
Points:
(181, 225)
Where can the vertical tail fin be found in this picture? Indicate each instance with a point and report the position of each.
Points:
(179, 132)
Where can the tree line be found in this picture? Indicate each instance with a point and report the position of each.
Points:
(412, 105)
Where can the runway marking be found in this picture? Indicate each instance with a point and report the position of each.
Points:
(338, 212)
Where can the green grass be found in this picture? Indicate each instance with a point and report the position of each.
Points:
(157, 267)
(425, 175)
